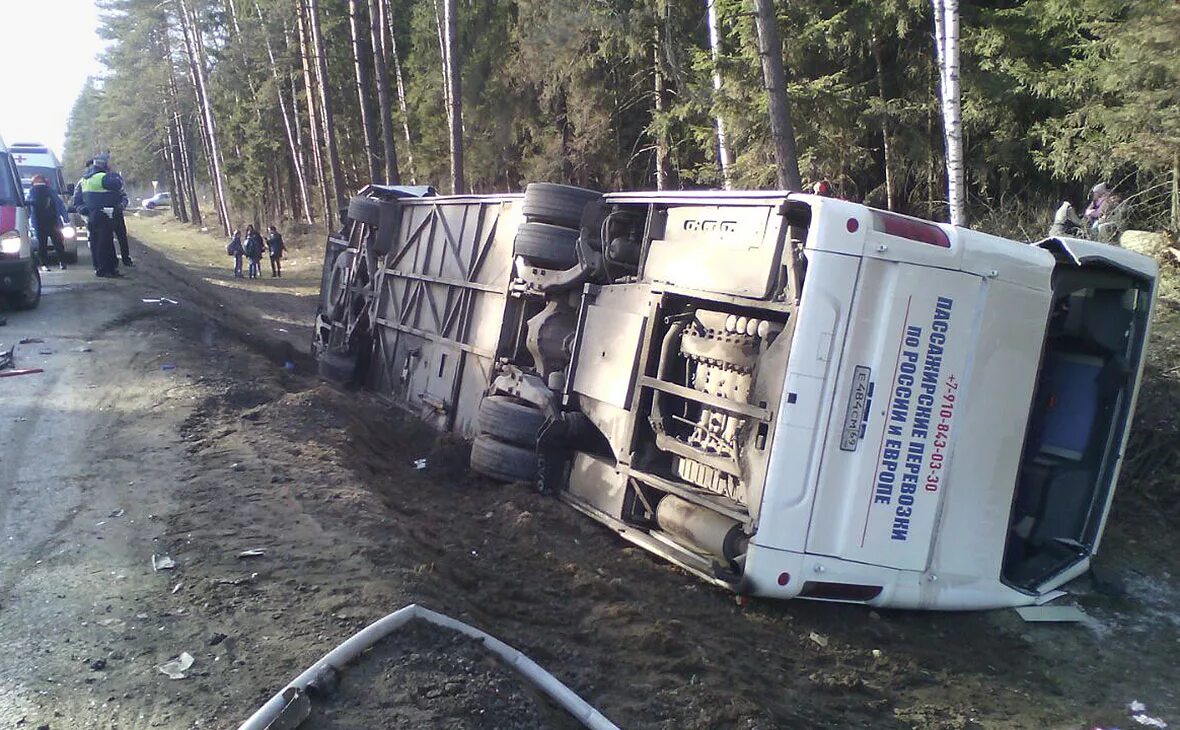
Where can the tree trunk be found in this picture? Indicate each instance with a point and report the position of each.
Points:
(1176, 191)
(362, 63)
(886, 141)
(946, 31)
(723, 154)
(401, 93)
(782, 132)
(193, 46)
(179, 141)
(309, 93)
(292, 143)
(327, 120)
(454, 93)
(658, 117)
(175, 184)
(440, 22)
(381, 80)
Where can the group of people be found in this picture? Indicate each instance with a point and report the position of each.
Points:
(1100, 218)
(99, 196)
(253, 249)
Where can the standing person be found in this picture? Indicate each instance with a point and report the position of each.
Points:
(236, 250)
(121, 231)
(254, 251)
(49, 215)
(274, 243)
(96, 198)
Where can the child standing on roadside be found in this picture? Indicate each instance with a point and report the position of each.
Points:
(236, 250)
(254, 251)
(274, 242)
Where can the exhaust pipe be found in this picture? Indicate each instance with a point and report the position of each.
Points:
(701, 528)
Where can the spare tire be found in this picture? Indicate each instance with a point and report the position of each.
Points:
(560, 205)
(547, 246)
(510, 420)
(365, 210)
(503, 462)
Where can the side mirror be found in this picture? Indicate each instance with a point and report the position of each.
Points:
(70, 189)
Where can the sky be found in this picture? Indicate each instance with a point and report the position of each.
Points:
(49, 47)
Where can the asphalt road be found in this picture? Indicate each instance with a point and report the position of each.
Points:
(87, 450)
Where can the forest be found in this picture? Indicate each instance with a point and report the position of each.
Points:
(278, 110)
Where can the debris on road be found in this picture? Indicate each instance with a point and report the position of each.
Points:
(31, 341)
(98, 665)
(168, 366)
(176, 588)
(252, 553)
(21, 371)
(177, 668)
(1052, 614)
(6, 358)
(233, 581)
(217, 638)
(819, 639)
(162, 562)
(419, 464)
(117, 513)
(159, 300)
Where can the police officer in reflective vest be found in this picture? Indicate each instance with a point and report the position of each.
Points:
(99, 193)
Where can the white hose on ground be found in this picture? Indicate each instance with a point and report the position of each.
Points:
(378, 630)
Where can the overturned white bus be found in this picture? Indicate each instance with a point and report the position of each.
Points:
(788, 395)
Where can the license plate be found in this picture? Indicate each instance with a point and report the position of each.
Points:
(858, 409)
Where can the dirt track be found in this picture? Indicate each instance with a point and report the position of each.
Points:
(228, 452)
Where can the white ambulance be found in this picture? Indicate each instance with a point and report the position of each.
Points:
(34, 158)
(787, 395)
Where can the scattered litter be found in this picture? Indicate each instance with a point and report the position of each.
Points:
(31, 341)
(159, 300)
(22, 371)
(98, 665)
(284, 330)
(176, 668)
(254, 553)
(151, 301)
(419, 464)
(819, 639)
(163, 562)
(117, 513)
(1052, 614)
(115, 624)
(289, 366)
(217, 638)
(168, 366)
(176, 588)
(877, 653)
(44, 352)
(169, 301)
(100, 524)
(1139, 715)
(84, 349)
(233, 581)
(6, 359)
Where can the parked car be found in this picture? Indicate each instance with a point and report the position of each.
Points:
(20, 280)
(159, 200)
(787, 395)
(34, 158)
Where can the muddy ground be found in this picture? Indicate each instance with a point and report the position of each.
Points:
(174, 430)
